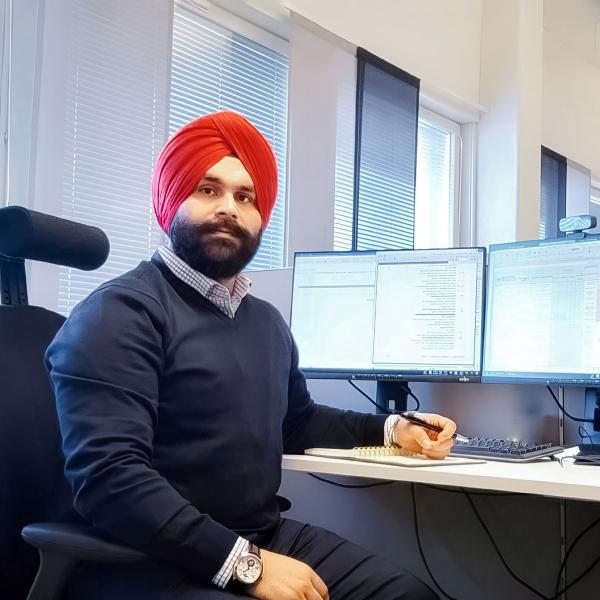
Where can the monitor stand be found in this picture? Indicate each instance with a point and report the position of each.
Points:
(392, 396)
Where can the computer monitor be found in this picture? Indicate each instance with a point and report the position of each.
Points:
(542, 320)
(391, 316)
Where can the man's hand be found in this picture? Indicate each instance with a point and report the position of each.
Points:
(428, 442)
(286, 578)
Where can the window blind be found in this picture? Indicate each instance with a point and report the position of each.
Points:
(344, 163)
(214, 68)
(435, 191)
(434, 195)
(553, 193)
(114, 127)
(385, 154)
(435, 188)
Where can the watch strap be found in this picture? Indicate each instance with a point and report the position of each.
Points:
(254, 549)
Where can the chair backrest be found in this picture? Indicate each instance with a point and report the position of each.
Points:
(33, 487)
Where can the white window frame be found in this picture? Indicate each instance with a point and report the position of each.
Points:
(595, 191)
(595, 202)
(454, 129)
(237, 24)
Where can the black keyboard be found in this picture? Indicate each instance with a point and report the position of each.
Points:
(506, 450)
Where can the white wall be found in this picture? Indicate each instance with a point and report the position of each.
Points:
(535, 89)
(571, 107)
(315, 64)
(530, 68)
(508, 176)
(435, 41)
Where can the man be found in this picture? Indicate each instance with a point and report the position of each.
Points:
(177, 393)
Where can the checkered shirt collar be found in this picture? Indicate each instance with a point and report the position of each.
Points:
(212, 290)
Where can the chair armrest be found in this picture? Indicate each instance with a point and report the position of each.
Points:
(80, 542)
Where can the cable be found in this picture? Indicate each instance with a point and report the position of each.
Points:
(557, 592)
(499, 553)
(564, 411)
(409, 392)
(352, 485)
(563, 564)
(584, 433)
(421, 552)
(578, 578)
(383, 408)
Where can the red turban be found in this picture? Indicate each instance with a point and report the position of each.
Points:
(196, 147)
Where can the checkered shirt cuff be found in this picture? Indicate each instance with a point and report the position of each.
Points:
(388, 429)
(222, 578)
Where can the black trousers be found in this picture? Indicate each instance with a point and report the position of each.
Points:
(349, 571)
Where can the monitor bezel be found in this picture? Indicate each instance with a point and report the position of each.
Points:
(388, 375)
(535, 378)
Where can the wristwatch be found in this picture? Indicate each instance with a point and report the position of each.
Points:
(248, 566)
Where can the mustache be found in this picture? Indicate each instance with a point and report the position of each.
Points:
(227, 225)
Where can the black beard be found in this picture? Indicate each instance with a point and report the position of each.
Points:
(216, 257)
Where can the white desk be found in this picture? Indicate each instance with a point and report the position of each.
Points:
(547, 478)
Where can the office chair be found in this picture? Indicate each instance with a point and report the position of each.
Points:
(35, 500)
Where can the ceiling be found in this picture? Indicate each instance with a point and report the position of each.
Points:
(576, 23)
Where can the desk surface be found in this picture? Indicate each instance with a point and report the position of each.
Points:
(546, 478)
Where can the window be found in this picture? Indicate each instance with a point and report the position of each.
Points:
(5, 36)
(215, 69)
(117, 112)
(436, 199)
(115, 107)
(385, 154)
(344, 163)
(595, 204)
(437, 189)
(595, 192)
(553, 193)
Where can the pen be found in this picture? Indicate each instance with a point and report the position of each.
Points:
(409, 416)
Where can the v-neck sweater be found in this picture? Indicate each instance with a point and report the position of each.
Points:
(174, 416)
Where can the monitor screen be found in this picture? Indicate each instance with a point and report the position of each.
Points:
(404, 314)
(543, 312)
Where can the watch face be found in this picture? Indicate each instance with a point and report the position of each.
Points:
(248, 569)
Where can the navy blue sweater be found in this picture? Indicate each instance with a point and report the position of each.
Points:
(174, 417)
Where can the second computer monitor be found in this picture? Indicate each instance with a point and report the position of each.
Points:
(543, 312)
(390, 315)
